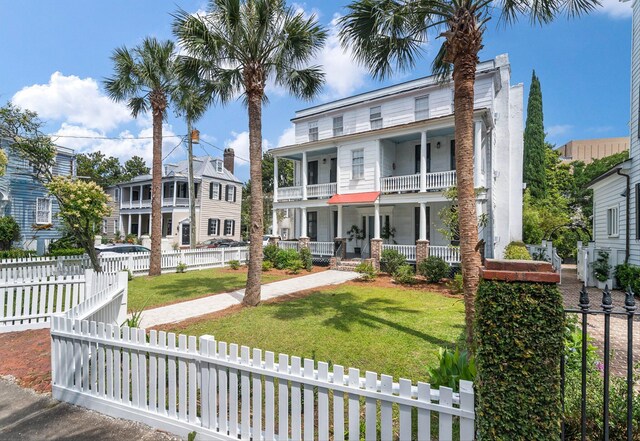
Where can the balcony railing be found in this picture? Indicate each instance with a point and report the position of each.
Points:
(321, 190)
(448, 253)
(290, 193)
(408, 251)
(144, 203)
(435, 181)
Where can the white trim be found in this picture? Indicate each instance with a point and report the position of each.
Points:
(40, 221)
(613, 225)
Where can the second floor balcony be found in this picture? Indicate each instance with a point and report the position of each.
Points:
(436, 181)
(314, 191)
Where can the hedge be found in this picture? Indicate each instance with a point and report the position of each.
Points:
(66, 252)
(16, 254)
(519, 333)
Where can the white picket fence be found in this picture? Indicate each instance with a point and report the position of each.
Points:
(30, 267)
(448, 253)
(321, 249)
(408, 251)
(224, 392)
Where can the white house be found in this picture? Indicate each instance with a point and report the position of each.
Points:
(384, 159)
(616, 216)
(218, 202)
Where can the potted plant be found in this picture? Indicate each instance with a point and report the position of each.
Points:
(356, 234)
(602, 270)
(388, 233)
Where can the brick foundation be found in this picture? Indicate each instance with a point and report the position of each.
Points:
(519, 271)
(422, 250)
(303, 242)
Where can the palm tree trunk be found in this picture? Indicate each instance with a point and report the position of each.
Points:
(256, 227)
(156, 194)
(464, 75)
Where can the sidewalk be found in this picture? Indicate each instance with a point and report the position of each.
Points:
(25, 415)
(217, 302)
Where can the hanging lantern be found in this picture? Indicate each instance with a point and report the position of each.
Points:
(195, 136)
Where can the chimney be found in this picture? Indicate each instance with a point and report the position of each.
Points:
(229, 158)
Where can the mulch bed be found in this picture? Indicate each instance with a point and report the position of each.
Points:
(26, 356)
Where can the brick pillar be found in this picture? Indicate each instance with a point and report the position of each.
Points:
(341, 242)
(422, 250)
(303, 242)
(376, 252)
(273, 240)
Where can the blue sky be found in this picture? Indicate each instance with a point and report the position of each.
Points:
(57, 53)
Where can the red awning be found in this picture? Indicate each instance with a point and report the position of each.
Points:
(354, 198)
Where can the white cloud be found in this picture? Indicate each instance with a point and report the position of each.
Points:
(616, 8)
(558, 130)
(288, 136)
(74, 100)
(240, 145)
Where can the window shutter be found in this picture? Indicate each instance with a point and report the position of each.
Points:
(226, 193)
(233, 228)
(234, 193)
(210, 190)
(217, 227)
(219, 192)
(209, 227)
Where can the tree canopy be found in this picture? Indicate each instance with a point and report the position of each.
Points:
(534, 144)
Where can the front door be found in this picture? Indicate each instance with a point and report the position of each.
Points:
(418, 155)
(312, 172)
(312, 225)
(333, 170)
(186, 234)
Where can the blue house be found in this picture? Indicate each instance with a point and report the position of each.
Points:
(24, 198)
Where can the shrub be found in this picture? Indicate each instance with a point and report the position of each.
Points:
(16, 253)
(306, 258)
(404, 274)
(9, 232)
(519, 332)
(285, 257)
(131, 238)
(456, 285)
(628, 276)
(601, 267)
(452, 367)
(270, 252)
(391, 261)
(516, 251)
(234, 264)
(433, 269)
(181, 267)
(267, 265)
(67, 252)
(367, 271)
(295, 266)
(129, 274)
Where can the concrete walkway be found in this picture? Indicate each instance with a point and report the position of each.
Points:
(25, 415)
(217, 302)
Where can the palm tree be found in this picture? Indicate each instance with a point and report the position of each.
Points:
(145, 77)
(391, 33)
(191, 100)
(236, 48)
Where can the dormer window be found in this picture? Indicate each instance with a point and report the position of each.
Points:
(422, 108)
(313, 130)
(375, 117)
(219, 166)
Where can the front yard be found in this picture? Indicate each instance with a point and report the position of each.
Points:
(395, 331)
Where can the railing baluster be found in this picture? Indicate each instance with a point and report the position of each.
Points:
(630, 307)
(584, 307)
(606, 307)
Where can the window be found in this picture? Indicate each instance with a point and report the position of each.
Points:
(313, 130)
(219, 166)
(357, 164)
(612, 221)
(337, 126)
(422, 108)
(104, 226)
(230, 193)
(375, 117)
(213, 227)
(452, 155)
(117, 195)
(312, 225)
(43, 211)
(229, 227)
(214, 190)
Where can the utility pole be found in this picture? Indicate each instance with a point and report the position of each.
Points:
(193, 138)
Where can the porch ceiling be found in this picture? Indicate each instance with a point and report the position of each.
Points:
(444, 131)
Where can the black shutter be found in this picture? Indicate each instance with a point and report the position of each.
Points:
(218, 227)
(416, 223)
(210, 228)
(452, 155)
(210, 190)
(417, 158)
(235, 189)
(219, 192)
(233, 228)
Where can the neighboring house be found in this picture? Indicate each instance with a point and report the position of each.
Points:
(24, 198)
(385, 157)
(587, 150)
(616, 197)
(218, 201)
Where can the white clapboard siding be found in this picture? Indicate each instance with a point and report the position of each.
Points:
(224, 392)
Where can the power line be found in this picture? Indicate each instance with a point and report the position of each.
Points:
(117, 138)
(172, 150)
(218, 148)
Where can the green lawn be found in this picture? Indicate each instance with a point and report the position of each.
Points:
(150, 292)
(390, 331)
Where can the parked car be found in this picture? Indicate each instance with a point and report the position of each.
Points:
(233, 244)
(121, 249)
(213, 243)
(265, 239)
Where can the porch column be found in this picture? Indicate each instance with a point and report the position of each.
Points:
(140, 197)
(139, 224)
(274, 222)
(149, 224)
(120, 226)
(175, 192)
(130, 197)
(376, 175)
(423, 161)
(161, 194)
(477, 151)
(275, 181)
(339, 232)
(303, 222)
(304, 180)
(423, 221)
(376, 220)
(129, 226)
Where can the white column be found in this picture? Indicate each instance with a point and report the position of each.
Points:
(139, 224)
(175, 192)
(140, 197)
(423, 221)
(477, 150)
(339, 232)
(121, 224)
(149, 224)
(303, 222)
(423, 161)
(274, 223)
(129, 226)
(275, 181)
(376, 184)
(376, 221)
(304, 180)
(130, 197)
(161, 194)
